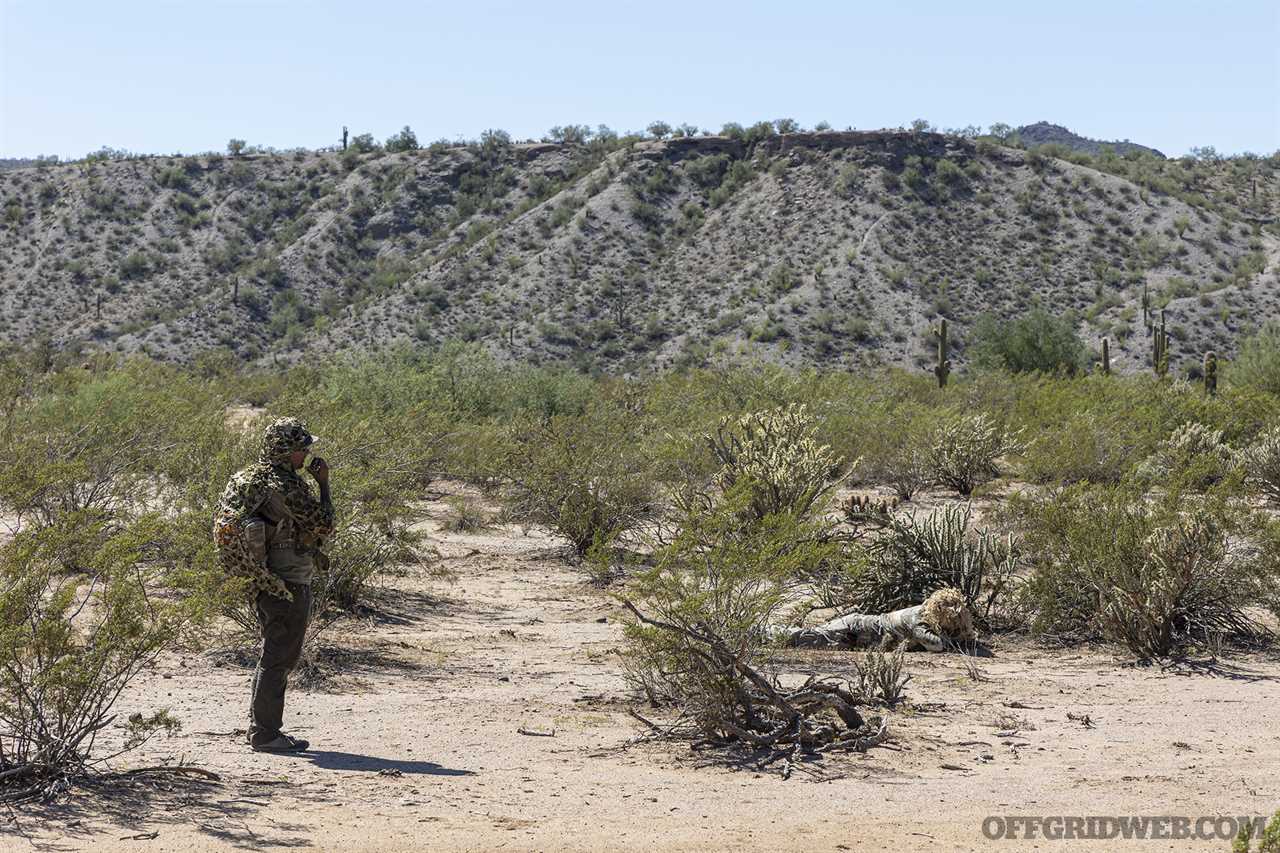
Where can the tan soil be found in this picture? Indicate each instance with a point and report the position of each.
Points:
(441, 683)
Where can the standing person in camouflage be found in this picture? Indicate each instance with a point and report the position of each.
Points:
(269, 529)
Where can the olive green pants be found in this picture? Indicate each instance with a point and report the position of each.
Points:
(284, 627)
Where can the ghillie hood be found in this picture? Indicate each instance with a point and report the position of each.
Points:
(947, 614)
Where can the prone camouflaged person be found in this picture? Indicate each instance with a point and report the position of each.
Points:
(941, 622)
(269, 529)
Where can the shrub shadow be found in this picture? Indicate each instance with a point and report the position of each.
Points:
(117, 807)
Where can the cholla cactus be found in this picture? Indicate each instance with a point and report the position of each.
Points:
(1261, 463)
(778, 453)
(864, 506)
(963, 452)
(864, 513)
(1193, 452)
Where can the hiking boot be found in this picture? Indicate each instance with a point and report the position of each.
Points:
(281, 743)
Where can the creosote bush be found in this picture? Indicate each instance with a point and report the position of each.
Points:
(71, 643)
(584, 477)
(1155, 575)
(895, 449)
(465, 516)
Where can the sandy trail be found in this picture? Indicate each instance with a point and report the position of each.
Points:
(418, 745)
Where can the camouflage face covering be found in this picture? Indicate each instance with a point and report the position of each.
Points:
(283, 437)
(948, 614)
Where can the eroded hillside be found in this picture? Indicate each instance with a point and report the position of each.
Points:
(807, 248)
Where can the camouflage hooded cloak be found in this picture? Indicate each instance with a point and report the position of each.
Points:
(309, 519)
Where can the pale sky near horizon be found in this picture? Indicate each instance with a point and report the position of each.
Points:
(164, 77)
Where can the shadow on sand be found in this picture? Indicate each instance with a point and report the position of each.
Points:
(328, 760)
(118, 808)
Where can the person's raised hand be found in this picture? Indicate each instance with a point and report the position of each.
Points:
(319, 469)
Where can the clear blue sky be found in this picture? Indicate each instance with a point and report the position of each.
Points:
(187, 76)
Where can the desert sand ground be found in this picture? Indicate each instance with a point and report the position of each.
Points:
(486, 711)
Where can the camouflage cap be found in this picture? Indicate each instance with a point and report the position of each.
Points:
(284, 436)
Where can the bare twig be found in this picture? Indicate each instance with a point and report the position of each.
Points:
(179, 769)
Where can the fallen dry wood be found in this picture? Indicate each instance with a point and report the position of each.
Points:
(18, 772)
(819, 716)
(181, 768)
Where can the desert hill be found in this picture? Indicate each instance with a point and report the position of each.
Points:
(833, 248)
(1045, 133)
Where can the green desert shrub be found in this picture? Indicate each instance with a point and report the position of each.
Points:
(1258, 363)
(1155, 575)
(477, 454)
(362, 547)
(108, 444)
(1037, 341)
(135, 265)
(1085, 447)
(894, 447)
(465, 515)
(708, 597)
(585, 477)
(70, 644)
(1096, 428)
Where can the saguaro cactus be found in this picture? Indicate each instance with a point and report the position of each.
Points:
(1160, 348)
(1211, 372)
(344, 137)
(943, 369)
(235, 291)
(1146, 307)
(1106, 357)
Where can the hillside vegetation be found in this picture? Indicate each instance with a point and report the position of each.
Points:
(840, 249)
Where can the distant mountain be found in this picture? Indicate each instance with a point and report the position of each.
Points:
(1044, 133)
(831, 249)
